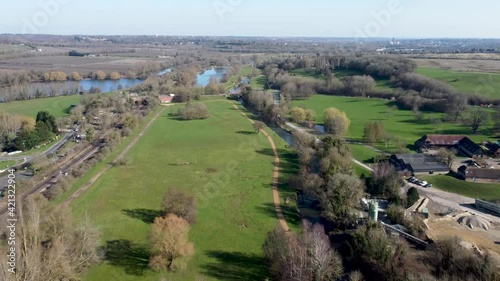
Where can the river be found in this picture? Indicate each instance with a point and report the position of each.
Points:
(204, 77)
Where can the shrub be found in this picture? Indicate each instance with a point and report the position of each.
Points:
(194, 112)
(412, 196)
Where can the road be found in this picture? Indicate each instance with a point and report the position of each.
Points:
(53, 149)
(453, 201)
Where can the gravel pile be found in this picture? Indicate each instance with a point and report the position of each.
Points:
(474, 222)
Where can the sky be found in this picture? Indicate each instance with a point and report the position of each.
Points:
(286, 18)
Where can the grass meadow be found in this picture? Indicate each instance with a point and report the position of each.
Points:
(221, 161)
(57, 106)
(399, 123)
(484, 84)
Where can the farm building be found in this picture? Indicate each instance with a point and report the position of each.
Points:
(418, 163)
(494, 149)
(438, 141)
(462, 143)
(166, 98)
(488, 206)
(477, 174)
(470, 148)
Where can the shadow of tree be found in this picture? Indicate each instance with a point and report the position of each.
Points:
(289, 211)
(236, 266)
(145, 215)
(246, 133)
(289, 160)
(133, 258)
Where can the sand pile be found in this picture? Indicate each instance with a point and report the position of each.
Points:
(474, 222)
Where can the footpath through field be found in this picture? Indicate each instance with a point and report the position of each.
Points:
(276, 174)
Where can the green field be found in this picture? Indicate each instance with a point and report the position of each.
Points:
(399, 123)
(363, 153)
(7, 164)
(484, 191)
(57, 106)
(229, 171)
(484, 84)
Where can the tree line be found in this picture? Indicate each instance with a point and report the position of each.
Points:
(414, 91)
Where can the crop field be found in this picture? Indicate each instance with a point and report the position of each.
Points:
(398, 123)
(484, 84)
(486, 63)
(221, 161)
(8, 49)
(69, 64)
(486, 191)
(57, 106)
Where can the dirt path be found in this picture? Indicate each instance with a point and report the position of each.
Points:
(276, 174)
(109, 166)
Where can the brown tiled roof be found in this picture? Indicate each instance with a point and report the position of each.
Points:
(490, 174)
(444, 139)
(164, 98)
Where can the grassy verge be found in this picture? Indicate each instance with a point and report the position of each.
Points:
(363, 153)
(7, 164)
(484, 191)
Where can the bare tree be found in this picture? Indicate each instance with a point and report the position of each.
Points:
(446, 156)
(305, 257)
(258, 126)
(457, 105)
(171, 249)
(51, 246)
(180, 204)
(476, 117)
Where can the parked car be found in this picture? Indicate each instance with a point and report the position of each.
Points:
(429, 185)
(423, 183)
(413, 179)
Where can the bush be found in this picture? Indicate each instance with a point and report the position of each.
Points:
(412, 196)
(126, 132)
(121, 162)
(396, 214)
(194, 112)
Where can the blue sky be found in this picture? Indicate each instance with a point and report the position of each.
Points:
(313, 18)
